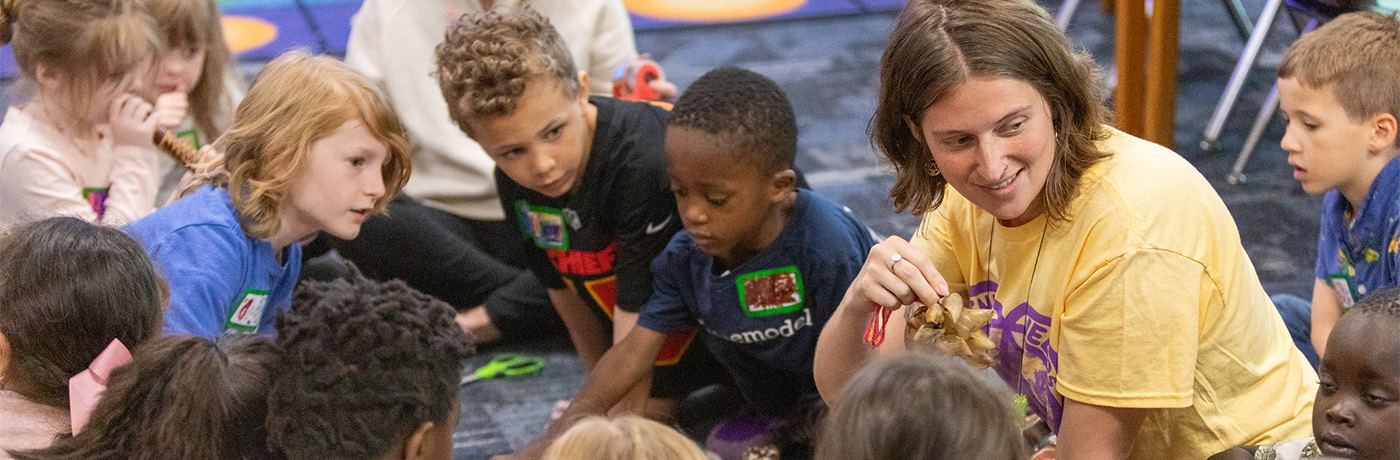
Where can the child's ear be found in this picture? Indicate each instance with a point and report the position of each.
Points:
(1383, 132)
(47, 76)
(417, 446)
(583, 86)
(783, 182)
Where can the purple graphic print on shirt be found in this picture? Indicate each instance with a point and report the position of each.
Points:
(1023, 346)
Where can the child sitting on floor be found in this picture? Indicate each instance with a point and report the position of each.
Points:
(82, 147)
(70, 289)
(1357, 411)
(920, 406)
(1339, 95)
(760, 266)
(583, 178)
(181, 397)
(623, 438)
(371, 371)
(313, 148)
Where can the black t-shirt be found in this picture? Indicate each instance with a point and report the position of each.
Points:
(599, 239)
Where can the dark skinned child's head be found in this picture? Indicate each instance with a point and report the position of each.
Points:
(511, 85)
(730, 144)
(371, 371)
(1357, 411)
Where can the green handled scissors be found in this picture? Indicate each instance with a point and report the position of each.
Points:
(507, 365)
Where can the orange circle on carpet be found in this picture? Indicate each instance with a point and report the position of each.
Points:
(711, 10)
(245, 33)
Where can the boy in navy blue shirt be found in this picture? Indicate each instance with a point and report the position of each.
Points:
(1339, 95)
(760, 266)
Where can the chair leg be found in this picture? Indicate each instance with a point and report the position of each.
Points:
(1240, 17)
(1266, 113)
(1066, 12)
(1237, 78)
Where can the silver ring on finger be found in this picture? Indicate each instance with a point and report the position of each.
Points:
(894, 259)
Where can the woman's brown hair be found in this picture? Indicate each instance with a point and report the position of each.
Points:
(938, 45)
(196, 23)
(296, 100)
(920, 406)
(180, 397)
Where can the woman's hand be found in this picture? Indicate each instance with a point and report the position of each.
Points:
(895, 274)
(131, 122)
(171, 109)
(885, 281)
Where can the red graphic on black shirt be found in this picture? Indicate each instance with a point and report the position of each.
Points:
(583, 263)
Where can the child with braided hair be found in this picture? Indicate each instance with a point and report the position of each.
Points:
(363, 351)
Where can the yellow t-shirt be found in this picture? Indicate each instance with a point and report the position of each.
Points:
(1145, 298)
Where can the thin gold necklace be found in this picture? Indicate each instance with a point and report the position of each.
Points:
(63, 132)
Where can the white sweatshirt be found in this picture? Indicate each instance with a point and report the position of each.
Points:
(44, 173)
(393, 42)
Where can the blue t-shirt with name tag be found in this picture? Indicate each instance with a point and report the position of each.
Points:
(762, 318)
(220, 279)
(1358, 252)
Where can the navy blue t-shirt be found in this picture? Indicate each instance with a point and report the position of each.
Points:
(762, 318)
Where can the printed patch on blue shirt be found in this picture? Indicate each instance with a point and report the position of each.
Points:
(543, 224)
(770, 292)
(247, 312)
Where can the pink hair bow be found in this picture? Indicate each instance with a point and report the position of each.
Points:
(85, 389)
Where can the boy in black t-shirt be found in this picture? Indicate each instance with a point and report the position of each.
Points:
(583, 177)
(760, 267)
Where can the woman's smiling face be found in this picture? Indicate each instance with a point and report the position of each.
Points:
(993, 141)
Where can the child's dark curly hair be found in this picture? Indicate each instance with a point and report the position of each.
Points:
(365, 364)
(487, 59)
(1385, 303)
(743, 107)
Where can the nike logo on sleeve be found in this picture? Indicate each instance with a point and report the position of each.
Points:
(653, 228)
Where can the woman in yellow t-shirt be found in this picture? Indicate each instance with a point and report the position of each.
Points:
(1126, 310)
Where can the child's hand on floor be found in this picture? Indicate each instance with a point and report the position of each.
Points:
(171, 109)
(131, 122)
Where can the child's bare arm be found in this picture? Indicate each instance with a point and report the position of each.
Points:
(621, 369)
(588, 334)
(1326, 308)
(634, 401)
(1235, 453)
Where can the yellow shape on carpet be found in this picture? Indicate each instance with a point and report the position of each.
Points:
(711, 10)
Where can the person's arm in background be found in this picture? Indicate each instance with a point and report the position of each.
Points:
(362, 51)
(613, 43)
(1325, 311)
(620, 370)
(585, 330)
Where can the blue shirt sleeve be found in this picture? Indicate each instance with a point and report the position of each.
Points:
(666, 310)
(204, 268)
